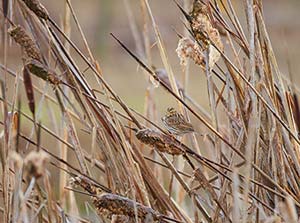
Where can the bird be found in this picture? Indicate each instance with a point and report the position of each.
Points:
(175, 123)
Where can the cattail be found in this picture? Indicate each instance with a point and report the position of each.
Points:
(86, 184)
(16, 159)
(37, 8)
(164, 143)
(200, 7)
(42, 71)
(25, 41)
(35, 163)
(112, 204)
(202, 25)
(189, 49)
(205, 34)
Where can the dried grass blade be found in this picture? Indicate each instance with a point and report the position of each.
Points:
(76, 143)
(163, 54)
(5, 4)
(29, 90)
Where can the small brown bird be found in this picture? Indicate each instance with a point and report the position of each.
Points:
(176, 123)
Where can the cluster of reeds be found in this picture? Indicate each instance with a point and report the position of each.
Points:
(245, 168)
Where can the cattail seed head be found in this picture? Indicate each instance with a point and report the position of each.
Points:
(42, 71)
(37, 8)
(112, 204)
(162, 142)
(35, 163)
(189, 49)
(25, 41)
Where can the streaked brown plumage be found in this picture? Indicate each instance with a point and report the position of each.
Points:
(176, 123)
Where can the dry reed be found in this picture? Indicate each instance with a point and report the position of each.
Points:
(248, 165)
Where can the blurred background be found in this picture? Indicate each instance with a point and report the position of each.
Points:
(98, 18)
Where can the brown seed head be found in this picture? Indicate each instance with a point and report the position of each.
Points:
(164, 143)
(35, 163)
(86, 184)
(189, 49)
(112, 204)
(202, 24)
(37, 8)
(25, 41)
(200, 6)
(16, 159)
(42, 71)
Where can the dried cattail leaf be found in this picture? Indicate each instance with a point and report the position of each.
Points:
(164, 143)
(220, 27)
(29, 89)
(112, 204)
(42, 71)
(5, 4)
(35, 164)
(25, 41)
(214, 56)
(14, 118)
(288, 210)
(86, 184)
(89, 185)
(37, 8)
(204, 183)
(163, 76)
(296, 110)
